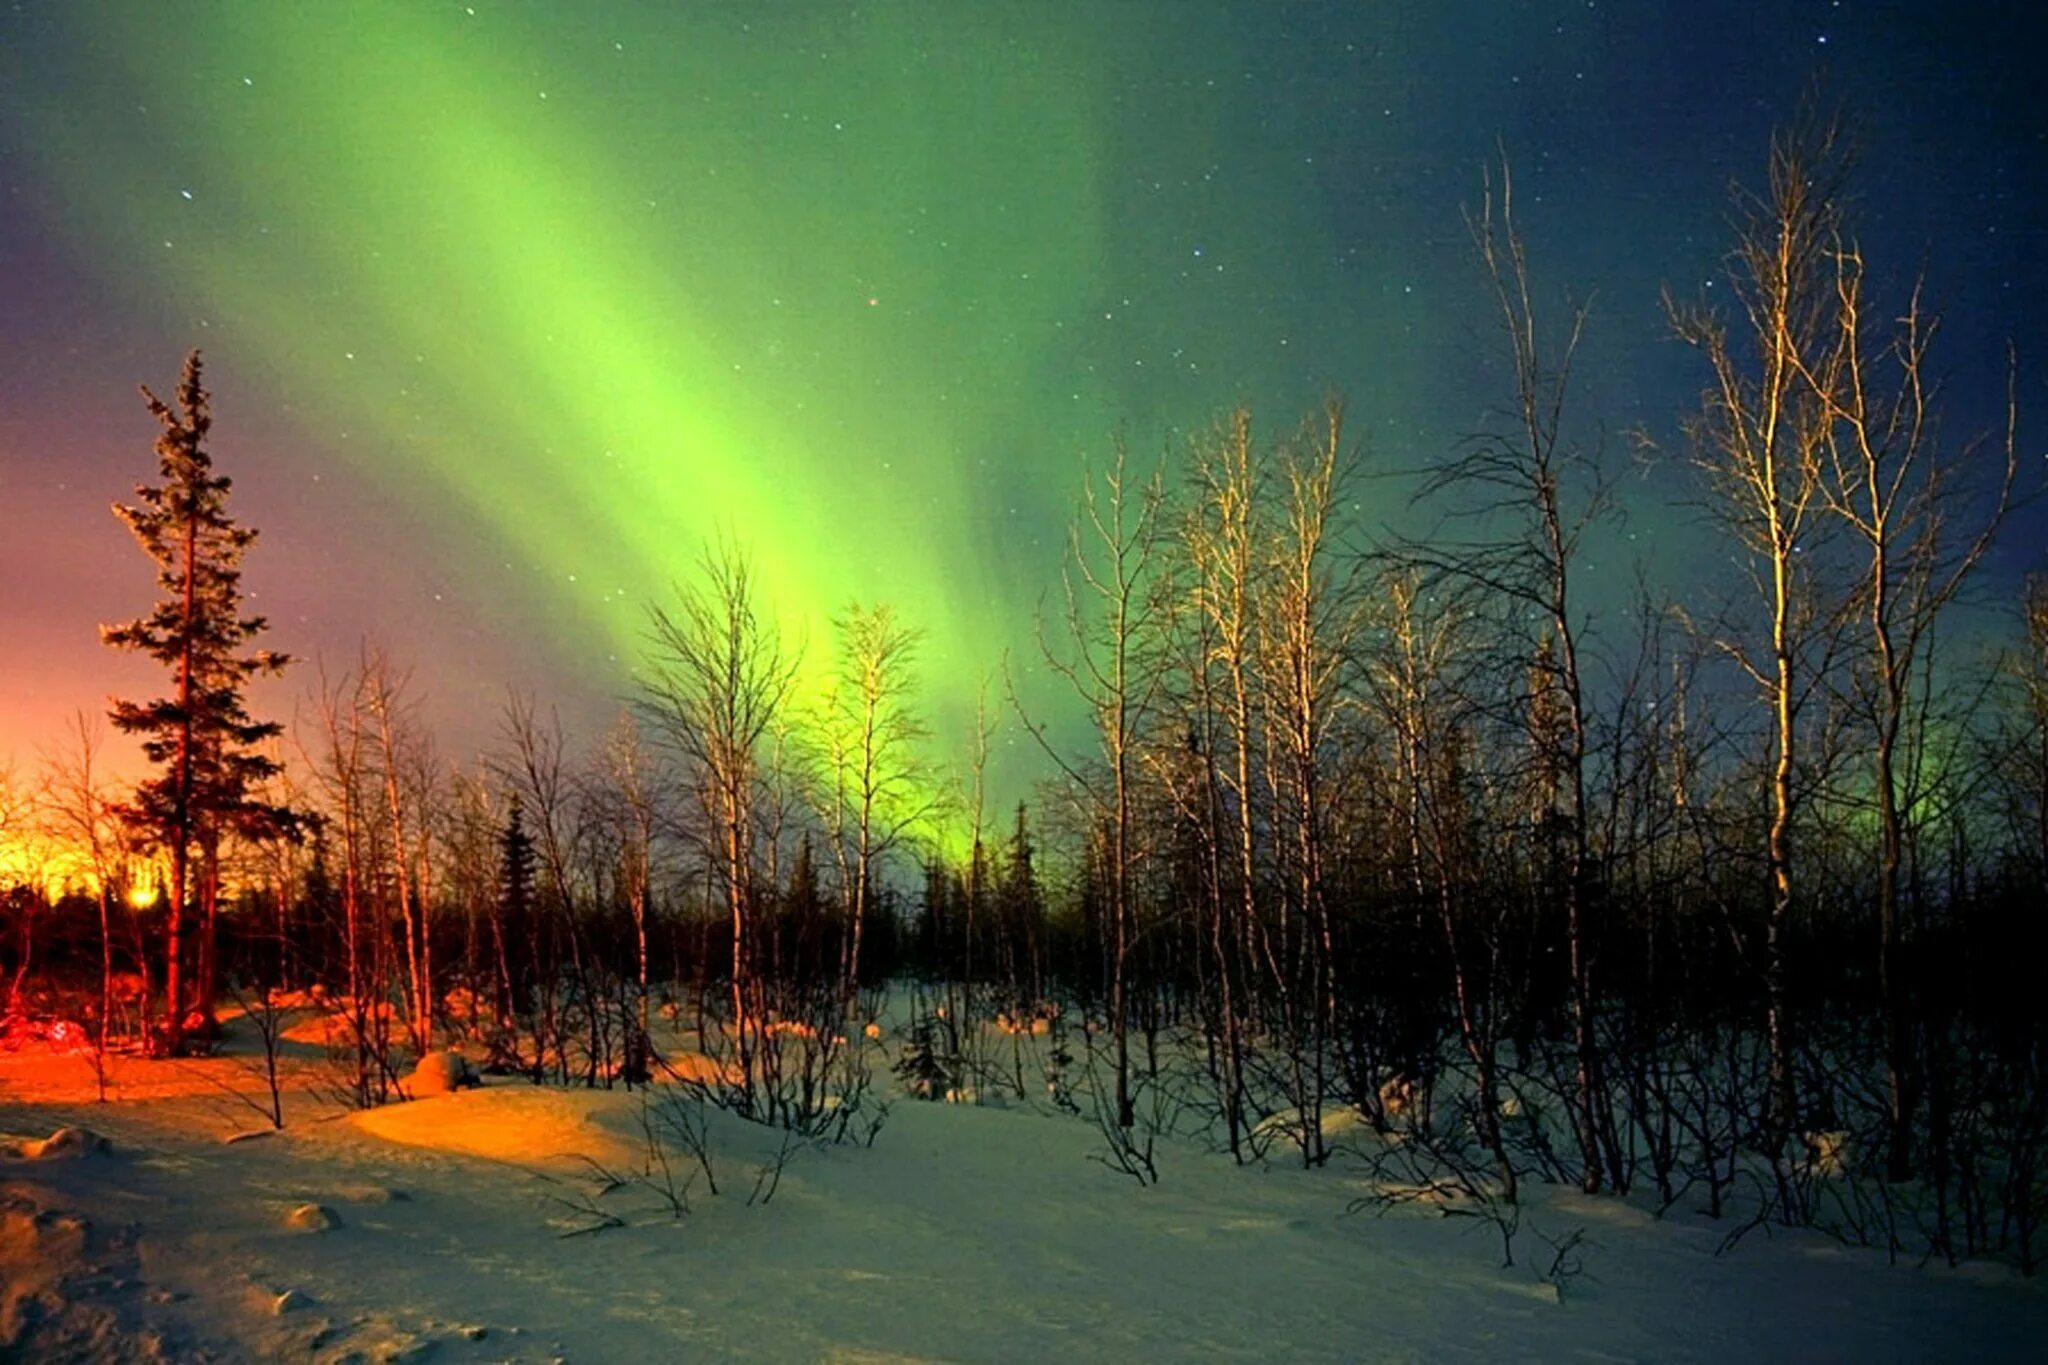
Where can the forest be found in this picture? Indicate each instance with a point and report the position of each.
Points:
(1732, 901)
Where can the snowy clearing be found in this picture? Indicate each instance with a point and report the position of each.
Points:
(475, 1226)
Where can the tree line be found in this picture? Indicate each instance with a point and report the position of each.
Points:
(1730, 900)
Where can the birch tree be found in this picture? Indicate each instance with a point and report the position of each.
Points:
(719, 680)
(1759, 445)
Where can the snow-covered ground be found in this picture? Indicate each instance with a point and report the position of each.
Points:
(436, 1229)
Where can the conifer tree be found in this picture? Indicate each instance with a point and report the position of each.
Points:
(201, 736)
(1022, 913)
(515, 916)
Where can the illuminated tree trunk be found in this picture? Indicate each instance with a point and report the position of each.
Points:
(629, 778)
(181, 810)
(1224, 544)
(1759, 443)
(207, 984)
(384, 698)
(1310, 632)
(82, 810)
(873, 747)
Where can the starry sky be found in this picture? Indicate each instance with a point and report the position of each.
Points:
(508, 307)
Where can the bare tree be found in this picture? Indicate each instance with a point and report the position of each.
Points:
(405, 771)
(1221, 539)
(83, 812)
(880, 789)
(19, 839)
(1423, 644)
(1113, 612)
(629, 776)
(1307, 631)
(341, 763)
(14, 805)
(472, 840)
(2020, 740)
(1893, 485)
(538, 771)
(718, 681)
(1532, 494)
(1760, 445)
(973, 798)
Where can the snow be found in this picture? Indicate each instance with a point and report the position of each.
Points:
(440, 1072)
(532, 1126)
(312, 1218)
(63, 1145)
(965, 1232)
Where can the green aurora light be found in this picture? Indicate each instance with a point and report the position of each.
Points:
(611, 363)
(583, 287)
(617, 286)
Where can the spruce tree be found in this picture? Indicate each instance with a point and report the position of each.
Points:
(201, 737)
(515, 918)
(1021, 909)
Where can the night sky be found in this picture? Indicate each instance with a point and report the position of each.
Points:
(507, 307)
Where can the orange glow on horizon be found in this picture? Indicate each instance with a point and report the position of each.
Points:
(57, 868)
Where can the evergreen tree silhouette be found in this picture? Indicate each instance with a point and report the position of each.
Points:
(201, 737)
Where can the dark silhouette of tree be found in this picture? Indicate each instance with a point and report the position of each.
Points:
(1534, 494)
(515, 914)
(201, 737)
(1022, 915)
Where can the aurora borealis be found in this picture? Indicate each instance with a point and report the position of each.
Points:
(508, 307)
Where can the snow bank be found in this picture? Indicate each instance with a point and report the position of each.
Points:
(1337, 1121)
(37, 1253)
(529, 1126)
(442, 1073)
(63, 1145)
(1828, 1154)
(311, 1218)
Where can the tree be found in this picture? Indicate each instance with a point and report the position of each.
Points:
(404, 758)
(1759, 444)
(1891, 483)
(17, 807)
(1415, 680)
(509, 924)
(2019, 739)
(629, 782)
(1307, 632)
(718, 682)
(1021, 913)
(1538, 493)
(1221, 539)
(1113, 612)
(537, 771)
(343, 770)
(878, 783)
(81, 811)
(201, 737)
